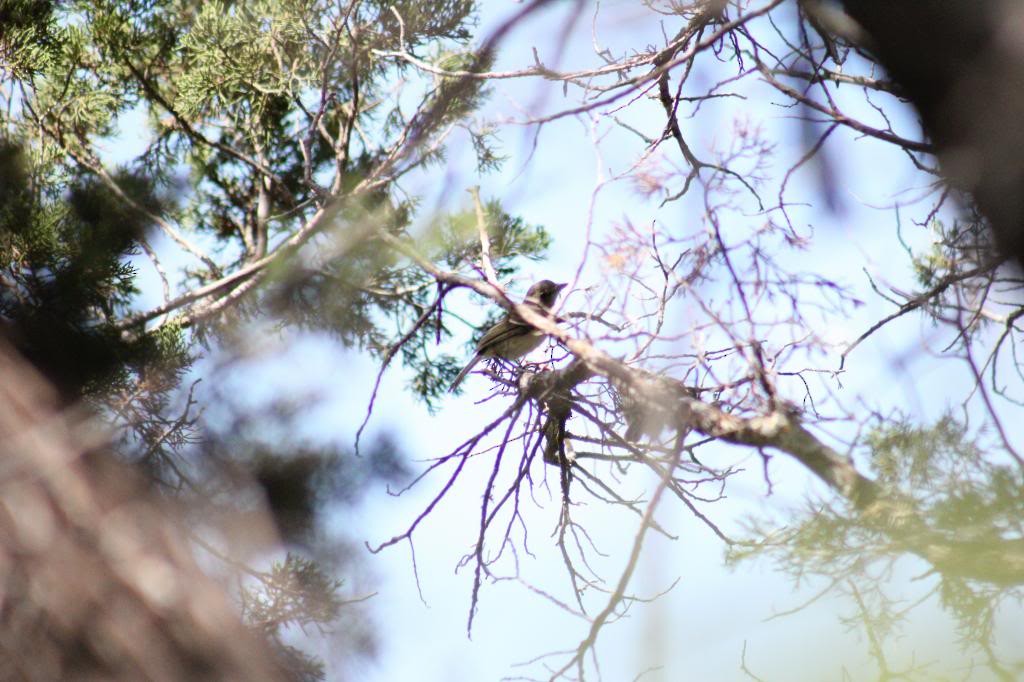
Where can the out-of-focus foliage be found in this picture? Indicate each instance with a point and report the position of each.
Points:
(270, 197)
(297, 591)
(274, 144)
(67, 282)
(969, 498)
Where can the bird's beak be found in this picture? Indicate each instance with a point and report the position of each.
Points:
(559, 287)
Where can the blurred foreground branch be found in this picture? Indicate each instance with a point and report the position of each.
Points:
(96, 581)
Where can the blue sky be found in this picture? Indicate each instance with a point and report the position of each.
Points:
(698, 630)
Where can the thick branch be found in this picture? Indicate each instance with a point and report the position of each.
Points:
(886, 511)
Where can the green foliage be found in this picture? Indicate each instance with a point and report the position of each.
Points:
(955, 247)
(68, 280)
(294, 592)
(961, 493)
(484, 144)
(16, 202)
(423, 22)
(458, 239)
(958, 486)
(26, 36)
(369, 296)
(233, 54)
(454, 98)
(67, 283)
(259, 114)
(243, 76)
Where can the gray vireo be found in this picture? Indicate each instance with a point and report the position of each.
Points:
(513, 337)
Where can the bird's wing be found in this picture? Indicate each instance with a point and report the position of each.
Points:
(501, 332)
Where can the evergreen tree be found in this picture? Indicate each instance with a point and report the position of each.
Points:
(274, 144)
(270, 196)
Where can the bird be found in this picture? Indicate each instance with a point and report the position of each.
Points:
(513, 337)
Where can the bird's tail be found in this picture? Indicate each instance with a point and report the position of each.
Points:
(464, 372)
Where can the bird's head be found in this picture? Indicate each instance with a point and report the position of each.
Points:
(544, 292)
